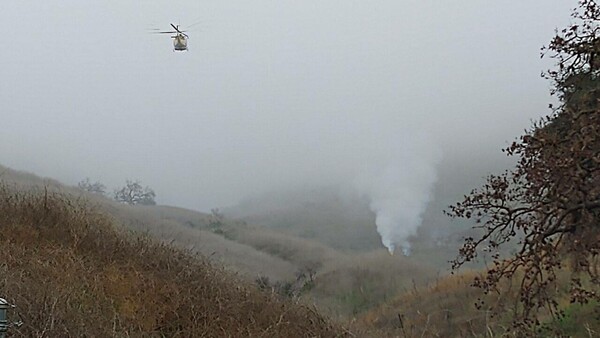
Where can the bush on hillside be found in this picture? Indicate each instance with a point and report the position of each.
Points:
(95, 188)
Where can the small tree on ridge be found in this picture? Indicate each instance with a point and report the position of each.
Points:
(96, 187)
(133, 193)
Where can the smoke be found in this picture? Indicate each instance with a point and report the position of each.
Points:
(400, 189)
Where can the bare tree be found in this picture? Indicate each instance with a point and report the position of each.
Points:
(550, 203)
(217, 219)
(96, 187)
(133, 193)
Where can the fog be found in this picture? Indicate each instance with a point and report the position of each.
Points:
(271, 94)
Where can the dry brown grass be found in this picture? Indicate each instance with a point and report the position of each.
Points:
(180, 227)
(298, 251)
(72, 274)
(238, 257)
(363, 281)
(445, 308)
(451, 307)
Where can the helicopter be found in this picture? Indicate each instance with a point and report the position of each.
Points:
(179, 39)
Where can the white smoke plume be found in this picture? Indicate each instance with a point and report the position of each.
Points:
(400, 189)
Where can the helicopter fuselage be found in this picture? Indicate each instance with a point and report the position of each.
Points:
(179, 43)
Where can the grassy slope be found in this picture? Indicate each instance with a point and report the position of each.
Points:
(442, 309)
(364, 281)
(447, 308)
(346, 283)
(170, 224)
(71, 273)
(320, 215)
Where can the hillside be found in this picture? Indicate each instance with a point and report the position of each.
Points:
(160, 270)
(451, 307)
(308, 270)
(73, 273)
(184, 228)
(340, 220)
(342, 283)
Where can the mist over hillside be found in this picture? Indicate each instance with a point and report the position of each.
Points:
(329, 215)
(340, 216)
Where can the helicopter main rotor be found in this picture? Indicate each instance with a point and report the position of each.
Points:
(176, 31)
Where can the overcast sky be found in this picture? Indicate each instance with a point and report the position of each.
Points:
(271, 93)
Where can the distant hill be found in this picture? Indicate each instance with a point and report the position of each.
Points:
(341, 221)
(340, 218)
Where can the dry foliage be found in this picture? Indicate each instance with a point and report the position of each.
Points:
(72, 274)
(442, 309)
(550, 203)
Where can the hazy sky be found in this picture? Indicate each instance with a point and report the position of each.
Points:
(271, 94)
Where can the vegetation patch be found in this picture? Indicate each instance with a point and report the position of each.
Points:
(72, 273)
